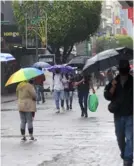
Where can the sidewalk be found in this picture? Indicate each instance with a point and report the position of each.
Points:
(8, 98)
(63, 139)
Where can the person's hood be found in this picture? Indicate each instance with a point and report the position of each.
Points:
(21, 85)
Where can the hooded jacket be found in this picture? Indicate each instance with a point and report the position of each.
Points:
(123, 96)
(26, 97)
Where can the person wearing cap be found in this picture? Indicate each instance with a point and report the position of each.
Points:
(120, 92)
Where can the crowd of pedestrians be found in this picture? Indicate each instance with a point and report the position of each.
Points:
(119, 91)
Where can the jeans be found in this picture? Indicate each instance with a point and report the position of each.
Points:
(26, 117)
(59, 95)
(124, 134)
(83, 96)
(71, 93)
(40, 93)
(66, 97)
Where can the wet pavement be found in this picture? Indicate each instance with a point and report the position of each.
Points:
(62, 139)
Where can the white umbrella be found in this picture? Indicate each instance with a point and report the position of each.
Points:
(5, 57)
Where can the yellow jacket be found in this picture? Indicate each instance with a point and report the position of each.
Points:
(26, 97)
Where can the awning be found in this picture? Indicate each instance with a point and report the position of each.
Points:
(126, 4)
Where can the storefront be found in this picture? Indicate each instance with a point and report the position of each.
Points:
(10, 36)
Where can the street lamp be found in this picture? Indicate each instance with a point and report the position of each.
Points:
(36, 7)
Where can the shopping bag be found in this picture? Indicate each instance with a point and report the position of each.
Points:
(93, 102)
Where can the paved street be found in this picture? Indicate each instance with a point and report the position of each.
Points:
(62, 140)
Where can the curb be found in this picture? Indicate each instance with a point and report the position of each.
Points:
(9, 101)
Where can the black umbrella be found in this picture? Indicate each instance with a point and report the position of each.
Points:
(107, 59)
(78, 61)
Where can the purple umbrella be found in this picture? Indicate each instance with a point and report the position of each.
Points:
(63, 69)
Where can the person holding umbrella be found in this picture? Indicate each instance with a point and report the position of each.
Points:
(120, 92)
(71, 90)
(26, 96)
(84, 84)
(65, 81)
(27, 106)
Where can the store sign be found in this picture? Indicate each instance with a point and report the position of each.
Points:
(11, 34)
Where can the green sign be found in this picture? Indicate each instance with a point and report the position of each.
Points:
(35, 20)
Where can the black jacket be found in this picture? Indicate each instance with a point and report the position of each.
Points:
(122, 94)
(84, 86)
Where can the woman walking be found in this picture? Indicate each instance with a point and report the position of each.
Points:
(27, 106)
(66, 90)
(71, 90)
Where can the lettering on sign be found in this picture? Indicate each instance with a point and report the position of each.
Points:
(13, 34)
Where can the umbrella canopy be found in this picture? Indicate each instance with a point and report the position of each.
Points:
(107, 59)
(23, 75)
(5, 57)
(78, 61)
(42, 65)
(63, 68)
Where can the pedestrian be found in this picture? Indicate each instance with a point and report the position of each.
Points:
(71, 90)
(39, 81)
(26, 96)
(110, 75)
(120, 92)
(84, 83)
(58, 89)
(65, 81)
(97, 76)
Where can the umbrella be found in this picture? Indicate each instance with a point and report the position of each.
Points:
(23, 75)
(78, 61)
(41, 64)
(107, 59)
(5, 57)
(63, 68)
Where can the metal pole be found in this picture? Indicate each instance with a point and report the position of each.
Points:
(36, 8)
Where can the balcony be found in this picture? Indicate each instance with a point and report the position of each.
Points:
(126, 4)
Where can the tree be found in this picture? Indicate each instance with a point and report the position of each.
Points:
(68, 22)
(108, 42)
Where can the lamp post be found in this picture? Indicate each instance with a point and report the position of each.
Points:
(36, 7)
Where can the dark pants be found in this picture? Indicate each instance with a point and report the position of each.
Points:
(83, 96)
(124, 133)
(40, 93)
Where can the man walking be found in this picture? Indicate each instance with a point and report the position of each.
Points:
(38, 81)
(84, 83)
(120, 92)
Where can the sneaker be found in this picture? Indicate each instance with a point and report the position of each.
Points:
(86, 116)
(82, 114)
(58, 111)
(23, 138)
(63, 109)
(70, 107)
(67, 109)
(43, 101)
(31, 138)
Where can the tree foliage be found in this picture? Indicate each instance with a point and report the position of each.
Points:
(68, 22)
(108, 42)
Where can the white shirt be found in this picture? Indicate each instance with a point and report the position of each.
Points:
(57, 83)
(65, 83)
